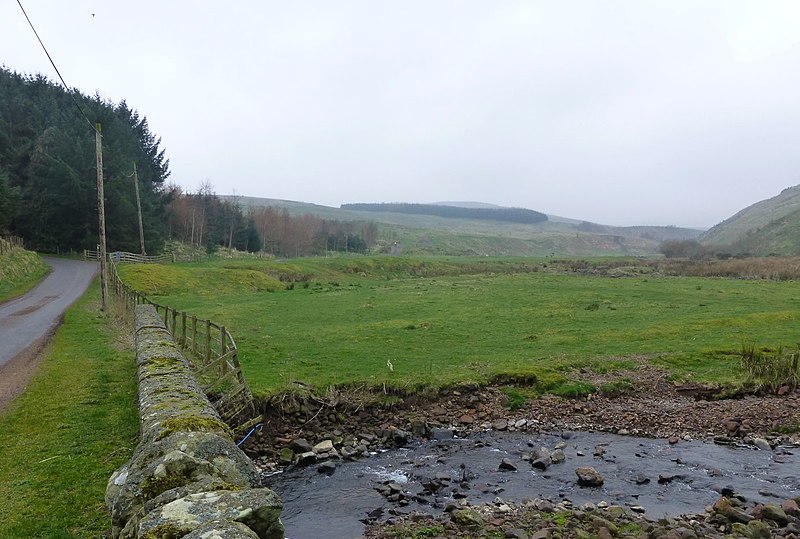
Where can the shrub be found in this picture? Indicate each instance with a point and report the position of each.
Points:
(683, 249)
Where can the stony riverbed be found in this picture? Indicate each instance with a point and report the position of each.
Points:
(659, 461)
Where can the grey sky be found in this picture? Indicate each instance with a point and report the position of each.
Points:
(619, 112)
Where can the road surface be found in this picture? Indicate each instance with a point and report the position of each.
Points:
(26, 322)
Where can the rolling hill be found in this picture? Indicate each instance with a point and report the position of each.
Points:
(762, 228)
(780, 237)
(430, 234)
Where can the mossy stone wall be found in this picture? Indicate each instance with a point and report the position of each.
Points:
(186, 457)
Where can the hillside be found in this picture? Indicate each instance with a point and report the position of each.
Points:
(430, 234)
(780, 237)
(743, 228)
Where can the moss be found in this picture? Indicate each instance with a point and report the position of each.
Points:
(165, 531)
(428, 531)
(631, 528)
(153, 486)
(514, 399)
(223, 485)
(561, 518)
(194, 423)
(158, 363)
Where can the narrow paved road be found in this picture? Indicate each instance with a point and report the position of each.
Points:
(28, 319)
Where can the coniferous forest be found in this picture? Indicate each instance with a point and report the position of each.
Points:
(48, 184)
(48, 172)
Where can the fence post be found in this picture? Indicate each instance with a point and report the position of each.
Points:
(183, 328)
(208, 341)
(224, 366)
(194, 336)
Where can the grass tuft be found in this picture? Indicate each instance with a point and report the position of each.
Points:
(771, 369)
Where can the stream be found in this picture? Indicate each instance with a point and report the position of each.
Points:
(663, 479)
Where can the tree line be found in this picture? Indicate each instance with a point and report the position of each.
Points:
(48, 173)
(511, 215)
(205, 221)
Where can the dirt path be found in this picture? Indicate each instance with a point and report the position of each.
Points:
(27, 322)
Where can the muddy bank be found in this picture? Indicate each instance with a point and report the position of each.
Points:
(654, 407)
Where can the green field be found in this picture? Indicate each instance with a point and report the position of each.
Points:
(447, 321)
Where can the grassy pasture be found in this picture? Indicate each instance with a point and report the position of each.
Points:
(445, 321)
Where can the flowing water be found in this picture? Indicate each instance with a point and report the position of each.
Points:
(692, 474)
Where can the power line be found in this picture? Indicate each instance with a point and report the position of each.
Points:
(52, 63)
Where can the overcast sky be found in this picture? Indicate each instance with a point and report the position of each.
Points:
(618, 112)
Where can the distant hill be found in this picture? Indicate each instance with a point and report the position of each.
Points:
(509, 215)
(468, 204)
(763, 220)
(431, 234)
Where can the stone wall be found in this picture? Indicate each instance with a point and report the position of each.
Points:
(186, 478)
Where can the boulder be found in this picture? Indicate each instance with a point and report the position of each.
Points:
(328, 468)
(724, 507)
(468, 518)
(507, 465)
(300, 445)
(323, 447)
(557, 456)
(441, 434)
(775, 514)
(588, 477)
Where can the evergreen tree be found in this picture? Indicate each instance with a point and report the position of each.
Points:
(47, 153)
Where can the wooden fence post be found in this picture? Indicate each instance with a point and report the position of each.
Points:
(208, 341)
(194, 336)
(224, 366)
(183, 328)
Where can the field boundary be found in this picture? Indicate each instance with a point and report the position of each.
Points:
(210, 348)
(122, 257)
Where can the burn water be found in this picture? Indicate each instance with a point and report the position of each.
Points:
(683, 478)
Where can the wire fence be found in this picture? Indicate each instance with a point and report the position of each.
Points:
(209, 347)
(9, 243)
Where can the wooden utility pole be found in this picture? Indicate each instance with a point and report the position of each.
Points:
(101, 215)
(138, 206)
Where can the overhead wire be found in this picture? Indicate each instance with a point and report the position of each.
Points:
(70, 91)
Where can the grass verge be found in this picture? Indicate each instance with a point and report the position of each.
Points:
(65, 435)
(20, 270)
